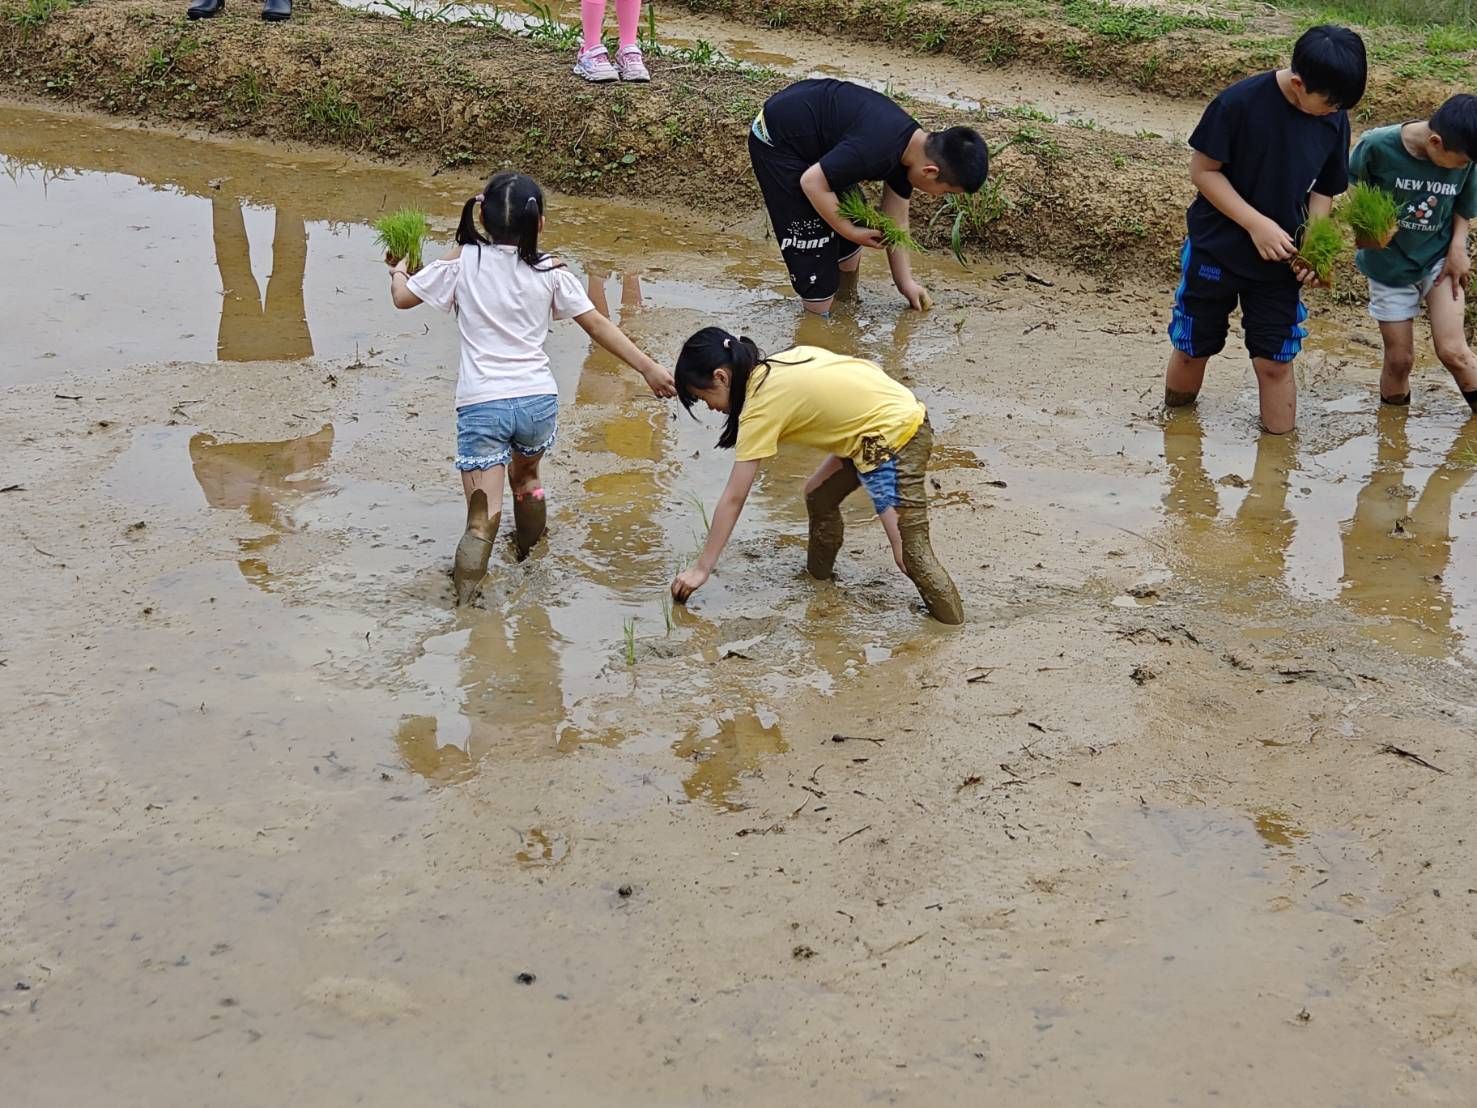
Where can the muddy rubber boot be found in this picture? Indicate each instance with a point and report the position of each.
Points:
(275, 11)
(827, 528)
(933, 581)
(530, 519)
(1173, 398)
(205, 9)
(475, 549)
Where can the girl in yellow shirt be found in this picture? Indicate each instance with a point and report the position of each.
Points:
(874, 430)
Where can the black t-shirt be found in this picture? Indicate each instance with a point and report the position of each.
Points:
(854, 133)
(1274, 155)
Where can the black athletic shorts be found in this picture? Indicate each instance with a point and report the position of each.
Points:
(813, 252)
(1272, 312)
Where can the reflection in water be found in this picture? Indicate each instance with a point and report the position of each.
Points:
(254, 328)
(259, 476)
(1395, 555)
(1251, 547)
(726, 750)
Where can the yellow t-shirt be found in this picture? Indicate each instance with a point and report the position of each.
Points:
(844, 406)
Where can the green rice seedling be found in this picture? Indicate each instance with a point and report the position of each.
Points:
(1321, 247)
(630, 629)
(31, 14)
(1371, 213)
(702, 510)
(403, 235)
(859, 210)
(667, 610)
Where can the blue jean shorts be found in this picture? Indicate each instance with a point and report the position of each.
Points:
(487, 434)
(881, 485)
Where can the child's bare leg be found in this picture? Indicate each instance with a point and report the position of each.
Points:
(827, 488)
(1448, 332)
(933, 581)
(1399, 340)
(484, 488)
(1279, 395)
(894, 536)
(1183, 378)
(530, 509)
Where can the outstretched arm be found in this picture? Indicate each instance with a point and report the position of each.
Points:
(400, 294)
(725, 517)
(896, 208)
(1271, 241)
(608, 335)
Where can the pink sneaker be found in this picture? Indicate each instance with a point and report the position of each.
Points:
(594, 65)
(632, 65)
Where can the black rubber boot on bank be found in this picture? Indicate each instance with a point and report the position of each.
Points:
(475, 549)
(275, 11)
(204, 9)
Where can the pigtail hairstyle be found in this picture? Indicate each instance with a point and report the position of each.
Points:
(511, 207)
(714, 348)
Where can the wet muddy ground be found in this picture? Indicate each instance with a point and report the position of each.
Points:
(1182, 815)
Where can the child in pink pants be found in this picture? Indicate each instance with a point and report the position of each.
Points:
(594, 60)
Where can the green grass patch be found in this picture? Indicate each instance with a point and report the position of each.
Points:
(1371, 213)
(859, 210)
(1138, 24)
(30, 15)
(403, 235)
(329, 108)
(1323, 244)
(1389, 13)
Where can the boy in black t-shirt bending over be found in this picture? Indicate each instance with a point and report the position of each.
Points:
(814, 141)
(1270, 151)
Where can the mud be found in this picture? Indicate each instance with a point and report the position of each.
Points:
(284, 824)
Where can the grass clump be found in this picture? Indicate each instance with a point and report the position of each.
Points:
(629, 628)
(859, 210)
(403, 235)
(1371, 213)
(28, 15)
(1321, 247)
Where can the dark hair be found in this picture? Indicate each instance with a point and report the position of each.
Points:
(1456, 122)
(711, 349)
(961, 155)
(511, 206)
(1331, 62)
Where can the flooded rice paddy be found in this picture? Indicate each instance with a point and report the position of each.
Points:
(241, 637)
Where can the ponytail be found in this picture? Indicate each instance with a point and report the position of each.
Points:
(511, 206)
(711, 349)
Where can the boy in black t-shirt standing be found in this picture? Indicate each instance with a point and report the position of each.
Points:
(814, 141)
(1270, 151)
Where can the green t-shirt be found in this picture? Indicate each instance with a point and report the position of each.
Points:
(1428, 197)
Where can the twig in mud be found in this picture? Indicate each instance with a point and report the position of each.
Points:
(971, 780)
(1145, 538)
(982, 676)
(13, 488)
(815, 773)
(1004, 715)
(800, 809)
(1409, 757)
(65, 396)
(854, 834)
(772, 829)
(1037, 326)
(895, 946)
(856, 739)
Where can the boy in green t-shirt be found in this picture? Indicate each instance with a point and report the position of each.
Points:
(1428, 167)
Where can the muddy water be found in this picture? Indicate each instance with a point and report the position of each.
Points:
(286, 817)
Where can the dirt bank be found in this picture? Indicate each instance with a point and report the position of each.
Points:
(1102, 202)
(1105, 43)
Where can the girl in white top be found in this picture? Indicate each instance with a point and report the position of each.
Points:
(505, 292)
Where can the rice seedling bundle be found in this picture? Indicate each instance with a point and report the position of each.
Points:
(1372, 214)
(1322, 245)
(859, 210)
(403, 234)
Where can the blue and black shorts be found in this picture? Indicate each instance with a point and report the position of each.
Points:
(1272, 312)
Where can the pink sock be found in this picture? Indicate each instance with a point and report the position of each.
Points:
(592, 15)
(628, 18)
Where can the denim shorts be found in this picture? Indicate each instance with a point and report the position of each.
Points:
(487, 434)
(881, 485)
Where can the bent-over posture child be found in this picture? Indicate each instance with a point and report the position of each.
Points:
(505, 292)
(1269, 152)
(813, 142)
(875, 430)
(1427, 165)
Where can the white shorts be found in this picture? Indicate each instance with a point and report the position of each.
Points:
(1400, 303)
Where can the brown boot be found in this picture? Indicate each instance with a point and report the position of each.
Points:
(827, 528)
(530, 520)
(475, 549)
